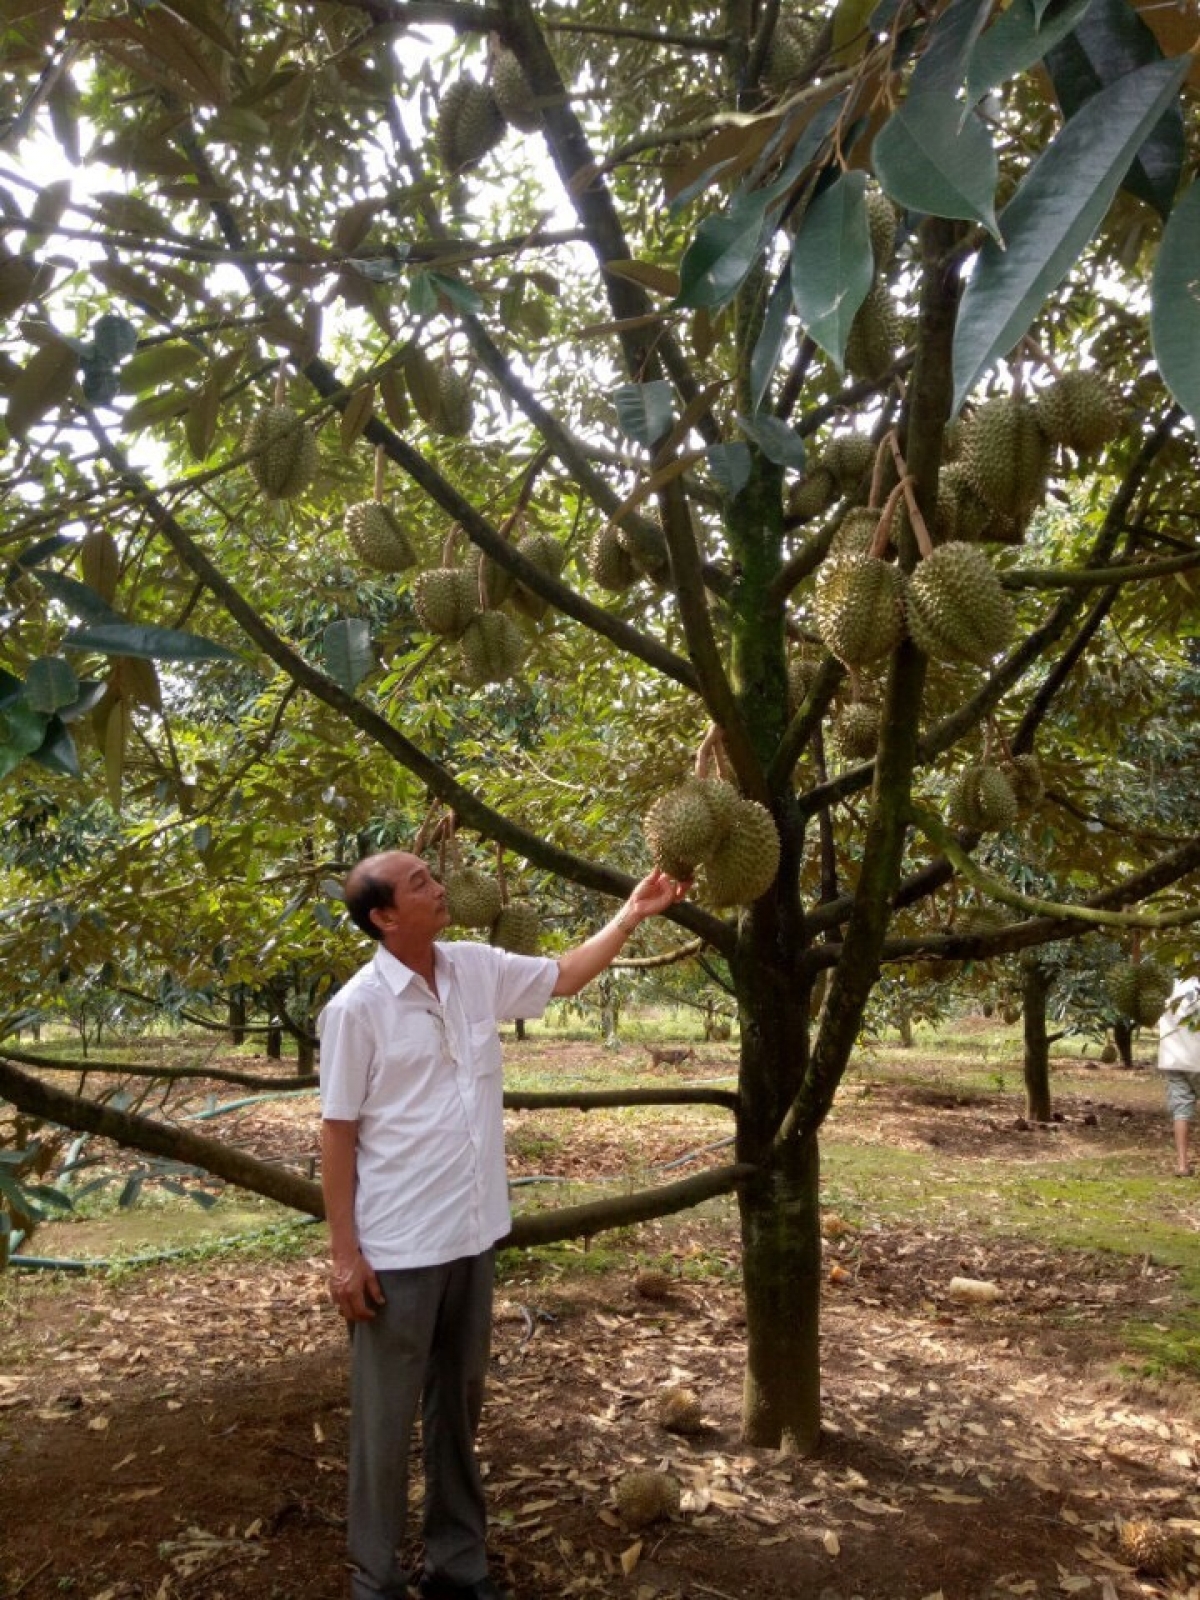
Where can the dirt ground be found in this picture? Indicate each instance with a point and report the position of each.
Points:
(181, 1432)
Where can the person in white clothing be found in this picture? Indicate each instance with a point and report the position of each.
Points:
(412, 1141)
(1179, 1060)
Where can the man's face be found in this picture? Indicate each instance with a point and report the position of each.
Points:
(418, 908)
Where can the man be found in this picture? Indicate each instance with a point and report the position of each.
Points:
(412, 1143)
(1179, 1059)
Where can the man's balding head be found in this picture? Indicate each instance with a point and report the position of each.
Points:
(371, 885)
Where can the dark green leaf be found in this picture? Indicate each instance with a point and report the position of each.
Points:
(943, 63)
(1053, 215)
(78, 598)
(1016, 41)
(154, 644)
(57, 751)
(723, 251)
(731, 464)
(34, 554)
(91, 692)
(832, 265)
(459, 294)
(379, 269)
(422, 295)
(21, 727)
(1110, 42)
(132, 1188)
(777, 440)
(202, 838)
(645, 411)
(1175, 303)
(113, 338)
(348, 653)
(101, 386)
(769, 344)
(11, 688)
(930, 158)
(50, 684)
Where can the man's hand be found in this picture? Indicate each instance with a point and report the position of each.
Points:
(654, 895)
(354, 1288)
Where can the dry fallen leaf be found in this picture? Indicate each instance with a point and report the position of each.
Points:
(831, 1542)
(631, 1557)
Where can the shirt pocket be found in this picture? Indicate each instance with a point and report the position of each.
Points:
(485, 1048)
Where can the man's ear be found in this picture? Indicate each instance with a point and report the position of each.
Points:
(381, 916)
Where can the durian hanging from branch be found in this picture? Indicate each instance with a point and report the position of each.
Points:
(282, 450)
(374, 531)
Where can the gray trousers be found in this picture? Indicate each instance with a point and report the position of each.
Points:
(428, 1343)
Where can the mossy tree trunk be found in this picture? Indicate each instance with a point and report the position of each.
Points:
(1035, 992)
(1123, 1039)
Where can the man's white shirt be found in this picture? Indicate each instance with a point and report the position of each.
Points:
(420, 1075)
(1179, 1029)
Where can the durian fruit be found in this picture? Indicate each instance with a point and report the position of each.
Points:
(849, 458)
(881, 224)
(812, 494)
(855, 533)
(492, 647)
(684, 826)
(455, 410)
(653, 1284)
(646, 546)
(792, 45)
(470, 124)
(875, 335)
(646, 1497)
(1025, 775)
(377, 538)
(609, 563)
(446, 600)
(1009, 1014)
(283, 452)
(857, 730)
(859, 608)
(744, 864)
(546, 554)
(802, 674)
(1109, 1054)
(1081, 410)
(1139, 990)
(680, 1411)
(961, 514)
(978, 921)
(981, 798)
(1006, 455)
(956, 607)
(517, 928)
(513, 94)
(1150, 1547)
(494, 582)
(473, 898)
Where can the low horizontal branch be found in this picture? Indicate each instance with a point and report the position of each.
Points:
(596, 1099)
(140, 1069)
(575, 1222)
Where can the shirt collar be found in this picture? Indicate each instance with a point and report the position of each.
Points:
(398, 977)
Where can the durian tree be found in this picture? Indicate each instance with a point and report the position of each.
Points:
(717, 366)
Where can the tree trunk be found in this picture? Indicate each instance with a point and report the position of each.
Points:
(1123, 1039)
(237, 1014)
(306, 1054)
(274, 1041)
(1035, 990)
(905, 1029)
(519, 1030)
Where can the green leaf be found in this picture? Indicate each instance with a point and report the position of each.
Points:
(140, 639)
(723, 251)
(777, 440)
(79, 598)
(943, 63)
(645, 411)
(459, 294)
(34, 554)
(422, 295)
(931, 158)
(731, 464)
(50, 684)
(1016, 41)
(832, 266)
(1053, 215)
(21, 727)
(91, 692)
(768, 347)
(1175, 303)
(57, 751)
(348, 653)
(113, 338)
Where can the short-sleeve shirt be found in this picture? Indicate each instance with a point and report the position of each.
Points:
(1179, 1029)
(420, 1075)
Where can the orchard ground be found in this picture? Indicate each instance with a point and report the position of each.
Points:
(179, 1429)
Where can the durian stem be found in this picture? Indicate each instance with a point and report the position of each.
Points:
(281, 384)
(883, 528)
(430, 828)
(877, 474)
(907, 481)
(380, 459)
(501, 877)
(451, 543)
(1034, 349)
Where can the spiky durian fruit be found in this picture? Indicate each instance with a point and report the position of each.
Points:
(446, 599)
(1025, 775)
(283, 453)
(982, 798)
(473, 898)
(455, 409)
(814, 493)
(517, 928)
(1006, 455)
(513, 94)
(376, 536)
(494, 583)
(1081, 410)
(978, 921)
(684, 826)
(859, 609)
(881, 224)
(646, 546)
(792, 44)
(855, 533)
(470, 124)
(1150, 1547)
(875, 336)
(744, 864)
(609, 563)
(1139, 990)
(962, 515)
(493, 648)
(646, 1497)
(548, 556)
(956, 607)
(857, 730)
(802, 674)
(849, 458)
(680, 1411)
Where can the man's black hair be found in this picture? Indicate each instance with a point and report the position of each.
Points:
(367, 892)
